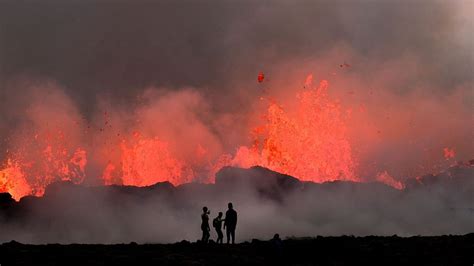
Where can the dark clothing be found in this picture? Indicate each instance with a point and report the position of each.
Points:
(205, 221)
(220, 236)
(230, 224)
(230, 232)
(205, 228)
(230, 218)
(277, 243)
(205, 236)
(217, 223)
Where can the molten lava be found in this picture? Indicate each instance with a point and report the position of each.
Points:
(148, 161)
(310, 143)
(44, 159)
(13, 181)
(448, 153)
(387, 179)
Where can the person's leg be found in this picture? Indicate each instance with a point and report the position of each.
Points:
(227, 231)
(218, 236)
(233, 235)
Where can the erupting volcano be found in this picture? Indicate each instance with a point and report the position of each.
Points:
(310, 143)
(121, 120)
(306, 135)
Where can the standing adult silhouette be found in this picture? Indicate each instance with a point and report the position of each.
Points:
(230, 223)
(205, 225)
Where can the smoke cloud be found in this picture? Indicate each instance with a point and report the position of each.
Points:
(80, 76)
(265, 206)
(411, 70)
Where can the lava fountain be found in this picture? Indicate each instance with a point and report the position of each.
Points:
(309, 142)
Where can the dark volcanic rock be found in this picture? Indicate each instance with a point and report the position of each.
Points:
(345, 250)
(266, 182)
(5, 199)
(160, 188)
(69, 213)
(460, 176)
(454, 185)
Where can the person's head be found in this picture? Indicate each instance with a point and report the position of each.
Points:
(220, 214)
(204, 209)
(230, 205)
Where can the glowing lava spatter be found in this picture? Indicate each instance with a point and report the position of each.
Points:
(387, 179)
(12, 180)
(42, 161)
(146, 161)
(448, 153)
(310, 143)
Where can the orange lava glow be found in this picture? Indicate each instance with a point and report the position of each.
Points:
(148, 161)
(45, 159)
(12, 180)
(448, 153)
(310, 143)
(307, 139)
(387, 179)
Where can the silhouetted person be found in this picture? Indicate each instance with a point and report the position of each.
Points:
(277, 251)
(277, 242)
(230, 223)
(217, 223)
(205, 225)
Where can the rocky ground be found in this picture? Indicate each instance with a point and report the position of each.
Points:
(344, 250)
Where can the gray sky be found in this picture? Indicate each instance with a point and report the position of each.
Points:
(117, 49)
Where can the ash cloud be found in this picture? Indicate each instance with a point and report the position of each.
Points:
(267, 203)
(409, 88)
(98, 50)
(117, 49)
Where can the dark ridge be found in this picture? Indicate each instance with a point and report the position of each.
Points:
(343, 250)
(67, 208)
(460, 176)
(265, 182)
(6, 200)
